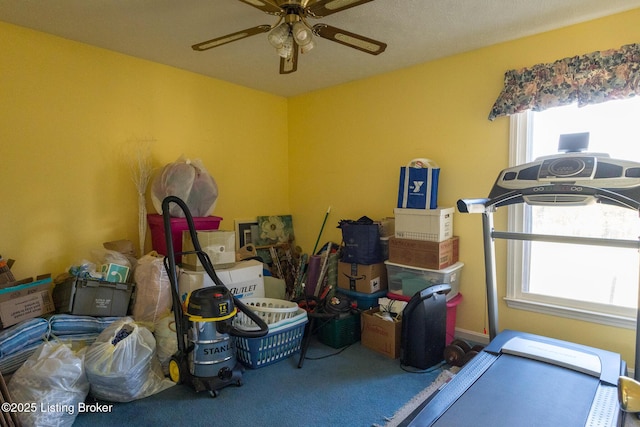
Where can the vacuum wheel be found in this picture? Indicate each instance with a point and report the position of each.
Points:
(174, 370)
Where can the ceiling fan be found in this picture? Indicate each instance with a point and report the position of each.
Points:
(292, 32)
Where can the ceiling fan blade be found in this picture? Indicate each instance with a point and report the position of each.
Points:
(219, 41)
(347, 38)
(264, 5)
(290, 65)
(327, 7)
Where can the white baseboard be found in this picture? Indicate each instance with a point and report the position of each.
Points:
(475, 337)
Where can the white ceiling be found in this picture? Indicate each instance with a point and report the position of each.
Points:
(415, 31)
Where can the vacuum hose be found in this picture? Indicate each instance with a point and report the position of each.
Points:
(208, 267)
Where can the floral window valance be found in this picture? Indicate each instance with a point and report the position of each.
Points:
(587, 79)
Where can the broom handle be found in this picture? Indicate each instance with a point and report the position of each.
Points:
(326, 215)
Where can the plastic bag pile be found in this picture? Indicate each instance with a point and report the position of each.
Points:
(52, 377)
(121, 365)
(189, 181)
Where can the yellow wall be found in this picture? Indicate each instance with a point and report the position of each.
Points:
(67, 108)
(66, 113)
(347, 143)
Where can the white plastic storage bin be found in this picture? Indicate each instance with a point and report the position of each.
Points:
(435, 225)
(406, 281)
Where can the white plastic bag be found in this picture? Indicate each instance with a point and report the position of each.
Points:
(166, 340)
(153, 289)
(99, 257)
(122, 365)
(189, 181)
(53, 382)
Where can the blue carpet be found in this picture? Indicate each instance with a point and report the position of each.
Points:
(356, 387)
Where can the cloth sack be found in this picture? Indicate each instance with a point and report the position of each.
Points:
(166, 340)
(153, 289)
(361, 241)
(418, 187)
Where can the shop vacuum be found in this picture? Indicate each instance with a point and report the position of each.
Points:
(206, 358)
(424, 328)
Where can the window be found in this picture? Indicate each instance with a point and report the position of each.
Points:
(591, 283)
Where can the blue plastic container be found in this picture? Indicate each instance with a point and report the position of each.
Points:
(279, 344)
(364, 301)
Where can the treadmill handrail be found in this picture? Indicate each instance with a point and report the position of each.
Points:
(553, 238)
(488, 206)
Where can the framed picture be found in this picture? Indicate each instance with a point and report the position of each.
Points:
(244, 231)
(275, 229)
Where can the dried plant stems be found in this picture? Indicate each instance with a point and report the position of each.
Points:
(138, 156)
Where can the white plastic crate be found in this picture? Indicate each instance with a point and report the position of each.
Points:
(434, 225)
(406, 281)
(271, 310)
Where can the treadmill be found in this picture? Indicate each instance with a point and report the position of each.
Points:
(530, 380)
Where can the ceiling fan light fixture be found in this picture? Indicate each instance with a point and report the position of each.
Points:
(307, 47)
(301, 33)
(292, 34)
(287, 48)
(278, 36)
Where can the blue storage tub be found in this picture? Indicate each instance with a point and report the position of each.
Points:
(364, 301)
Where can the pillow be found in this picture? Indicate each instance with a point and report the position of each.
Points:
(9, 364)
(70, 324)
(21, 335)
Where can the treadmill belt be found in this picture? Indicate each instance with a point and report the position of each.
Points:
(517, 391)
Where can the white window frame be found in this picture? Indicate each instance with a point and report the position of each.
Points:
(519, 153)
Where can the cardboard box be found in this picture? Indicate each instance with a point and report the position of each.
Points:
(456, 248)
(435, 225)
(387, 227)
(220, 245)
(243, 279)
(367, 279)
(6, 277)
(422, 253)
(26, 301)
(381, 335)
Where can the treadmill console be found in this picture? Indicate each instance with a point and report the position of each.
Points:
(563, 179)
(567, 168)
